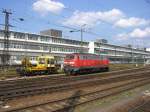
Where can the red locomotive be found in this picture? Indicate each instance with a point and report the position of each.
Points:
(84, 63)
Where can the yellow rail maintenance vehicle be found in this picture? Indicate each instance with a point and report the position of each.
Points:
(44, 65)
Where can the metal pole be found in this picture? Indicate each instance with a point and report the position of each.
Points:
(99, 49)
(136, 61)
(81, 40)
(132, 54)
(81, 31)
(82, 37)
(6, 57)
(115, 56)
(144, 60)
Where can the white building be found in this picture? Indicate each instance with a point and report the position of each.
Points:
(33, 45)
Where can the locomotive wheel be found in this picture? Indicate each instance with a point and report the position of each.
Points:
(107, 69)
(73, 73)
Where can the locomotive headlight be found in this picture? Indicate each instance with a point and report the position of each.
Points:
(68, 62)
(71, 63)
(65, 62)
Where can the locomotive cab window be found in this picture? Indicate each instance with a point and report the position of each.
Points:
(70, 57)
(83, 57)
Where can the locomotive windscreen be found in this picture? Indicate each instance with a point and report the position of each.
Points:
(69, 57)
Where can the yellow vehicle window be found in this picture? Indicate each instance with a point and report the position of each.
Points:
(50, 61)
(41, 61)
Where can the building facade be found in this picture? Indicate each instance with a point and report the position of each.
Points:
(33, 45)
(120, 54)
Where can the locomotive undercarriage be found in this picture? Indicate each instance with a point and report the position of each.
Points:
(84, 70)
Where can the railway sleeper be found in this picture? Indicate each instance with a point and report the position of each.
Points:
(43, 90)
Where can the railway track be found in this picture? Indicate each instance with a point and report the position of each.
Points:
(19, 89)
(113, 83)
(47, 77)
(79, 97)
(30, 80)
(142, 108)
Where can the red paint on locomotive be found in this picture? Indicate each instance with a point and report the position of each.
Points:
(78, 62)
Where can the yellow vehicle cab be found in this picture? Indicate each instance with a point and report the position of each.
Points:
(44, 65)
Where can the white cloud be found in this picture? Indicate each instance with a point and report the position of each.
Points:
(139, 33)
(122, 36)
(136, 33)
(92, 18)
(111, 15)
(115, 17)
(80, 18)
(45, 6)
(131, 22)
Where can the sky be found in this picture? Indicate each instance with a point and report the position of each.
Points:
(121, 22)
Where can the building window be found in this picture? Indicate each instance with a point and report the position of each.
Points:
(44, 38)
(32, 37)
(45, 48)
(19, 35)
(1, 45)
(34, 47)
(1, 34)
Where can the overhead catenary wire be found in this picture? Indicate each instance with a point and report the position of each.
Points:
(63, 26)
(68, 27)
(62, 16)
(53, 23)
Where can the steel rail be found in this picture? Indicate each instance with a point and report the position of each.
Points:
(145, 107)
(9, 93)
(64, 76)
(54, 80)
(61, 105)
(51, 81)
